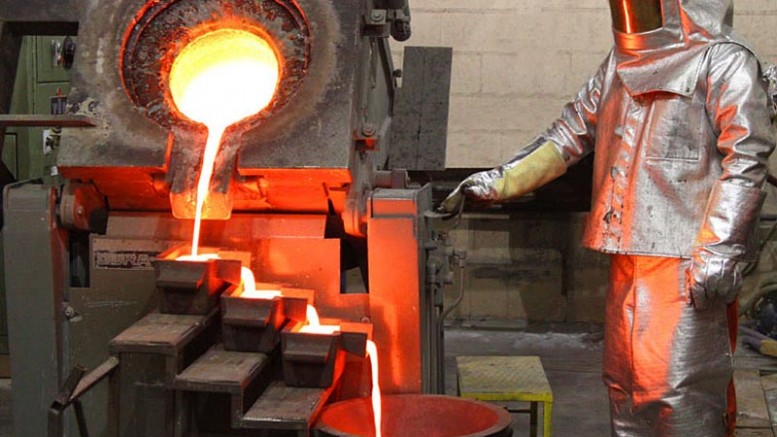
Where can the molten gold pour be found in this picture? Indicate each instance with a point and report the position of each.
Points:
(219, 79)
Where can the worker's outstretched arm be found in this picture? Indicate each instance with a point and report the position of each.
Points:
(568, 140)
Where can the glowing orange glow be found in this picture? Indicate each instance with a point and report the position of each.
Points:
(261, 294)
(377, 409)
(314, 325)
(321, 330)
(219, 79)
(201, 257)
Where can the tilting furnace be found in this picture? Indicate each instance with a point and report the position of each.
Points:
(306, 194)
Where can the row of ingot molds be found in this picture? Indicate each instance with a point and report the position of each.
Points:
(313, 360)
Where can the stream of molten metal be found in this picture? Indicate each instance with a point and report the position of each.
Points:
(215, 132)
(219, 79)
(377, 408)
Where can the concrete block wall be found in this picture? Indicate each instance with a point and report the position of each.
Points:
(528, 268)
(516, 62)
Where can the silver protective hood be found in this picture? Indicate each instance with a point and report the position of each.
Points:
(668, 59)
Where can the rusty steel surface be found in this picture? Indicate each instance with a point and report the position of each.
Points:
(417, 415)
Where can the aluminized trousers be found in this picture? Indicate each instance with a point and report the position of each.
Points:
(668, 367)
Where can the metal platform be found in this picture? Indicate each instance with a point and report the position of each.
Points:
(220, 371)
(286, 408)
(164, 334)
(508, 379)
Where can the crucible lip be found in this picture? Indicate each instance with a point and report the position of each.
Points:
(415, 414)
(161, 29)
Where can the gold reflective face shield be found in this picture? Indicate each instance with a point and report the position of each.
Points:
(636, 16)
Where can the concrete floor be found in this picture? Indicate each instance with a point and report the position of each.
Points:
(571, 355)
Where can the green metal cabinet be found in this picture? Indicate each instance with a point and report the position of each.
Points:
(38, 78)
(47, 71)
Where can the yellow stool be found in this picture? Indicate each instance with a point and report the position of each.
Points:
(508, 379)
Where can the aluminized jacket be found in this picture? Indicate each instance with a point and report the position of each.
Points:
(679, 164)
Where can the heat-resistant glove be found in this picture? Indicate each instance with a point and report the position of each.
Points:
(534, 166)
(711, 277)
(725, 242)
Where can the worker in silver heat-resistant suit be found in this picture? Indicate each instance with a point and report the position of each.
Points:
(678, 122)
